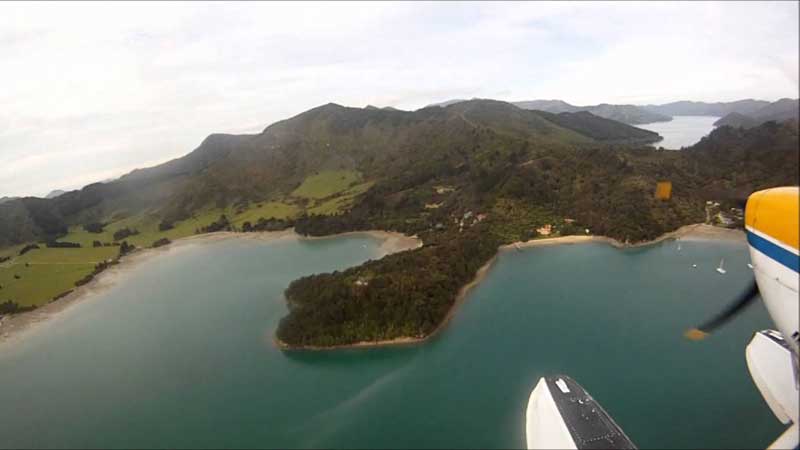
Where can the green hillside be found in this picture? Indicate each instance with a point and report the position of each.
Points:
(465, 178)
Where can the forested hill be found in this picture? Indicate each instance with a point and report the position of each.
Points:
(783, 110)
(465, 178)
(629, 114)
(376, 143)
(600, 128)
(606, 190)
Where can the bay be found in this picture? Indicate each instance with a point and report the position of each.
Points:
(179, 354)
(681, 131)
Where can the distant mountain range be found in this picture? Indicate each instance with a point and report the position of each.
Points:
(779, 111)
(746, 112)
(689, 108)
(630, 114)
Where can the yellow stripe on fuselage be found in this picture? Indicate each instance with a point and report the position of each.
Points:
(774, 212)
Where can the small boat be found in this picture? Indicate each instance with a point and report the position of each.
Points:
(679, 246)
(694, 266)
(720, 269)
(749, 265)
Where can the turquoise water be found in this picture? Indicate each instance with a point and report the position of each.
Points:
(178, 354)
(681, 131)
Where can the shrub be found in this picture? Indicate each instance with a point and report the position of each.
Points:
(161, 242)
(125, 248)
(94, 227)
(124, 232)
(221, 224)
(11, 307)
(54, 244)
(61, 295)
(28, 248)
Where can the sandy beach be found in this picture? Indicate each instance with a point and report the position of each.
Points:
(694, 232)
(13, 326)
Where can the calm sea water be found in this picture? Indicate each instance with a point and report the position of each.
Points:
(681, 131)
(179, 355)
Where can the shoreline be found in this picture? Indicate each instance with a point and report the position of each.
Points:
(693, 232)
(393, 242)
(14, 326)
(402, 340)
(11, 327)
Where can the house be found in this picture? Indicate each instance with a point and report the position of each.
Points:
(545, 230)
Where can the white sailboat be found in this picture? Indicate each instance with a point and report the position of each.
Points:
(720, 269)
(679, 246)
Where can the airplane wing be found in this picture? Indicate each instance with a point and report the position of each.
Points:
(561, 414)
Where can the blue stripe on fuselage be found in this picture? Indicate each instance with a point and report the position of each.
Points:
(783, 256)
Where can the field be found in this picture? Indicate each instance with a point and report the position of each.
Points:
(278, 210)
(340, 201)
(46, 272)
(326, 184)
(147, 226)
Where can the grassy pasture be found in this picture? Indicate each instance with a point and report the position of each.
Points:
(47, 272)
(326, 184)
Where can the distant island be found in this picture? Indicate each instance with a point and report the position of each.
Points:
(465, 178)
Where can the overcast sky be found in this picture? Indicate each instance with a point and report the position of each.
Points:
(91, 91)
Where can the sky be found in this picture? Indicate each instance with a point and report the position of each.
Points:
(91, 91)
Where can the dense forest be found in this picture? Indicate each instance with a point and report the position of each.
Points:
(404, 294)
(607, 190)
(465, 178)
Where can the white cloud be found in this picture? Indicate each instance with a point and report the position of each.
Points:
(91, 89)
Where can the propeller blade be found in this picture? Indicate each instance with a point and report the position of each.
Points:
(728, 313)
